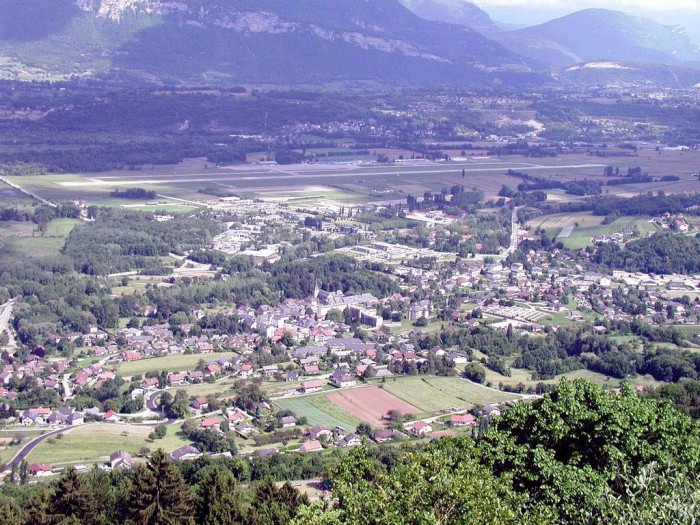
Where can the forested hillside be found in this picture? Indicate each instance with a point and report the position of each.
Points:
(663, 253)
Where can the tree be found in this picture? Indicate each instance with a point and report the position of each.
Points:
(574, 445)
(11, 513)
(218, 501)
(161, 431)
(363, 429)
(446, 483)
(72, 499)
(316, 515)
(275, 506)
(159, 495)
(475, 372)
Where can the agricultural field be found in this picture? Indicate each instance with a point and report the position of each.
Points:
(94, 443)
(371, 404)
(319, 410)
(433, 394)
(171, 363)
(577, 230)
(21, 239)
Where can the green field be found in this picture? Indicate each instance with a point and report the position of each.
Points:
(171, 363)
(519, 375)
(434, 394)
(22, 240)
(94, 443)
(318, 410)
(60, 228)
(586, 226)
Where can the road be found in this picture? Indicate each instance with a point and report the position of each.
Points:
(28, 193)
(25, 451)
(5, 317)
(513, 234)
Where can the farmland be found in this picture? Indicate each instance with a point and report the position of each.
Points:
(318, 410)
(371, 404)
(94, 443)
(22, 240)
(577, 230)
(436, 394)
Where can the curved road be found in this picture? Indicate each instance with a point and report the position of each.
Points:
(25, 451)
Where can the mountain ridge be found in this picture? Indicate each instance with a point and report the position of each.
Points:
(257, 41)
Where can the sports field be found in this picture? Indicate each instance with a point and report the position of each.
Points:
(433, 394)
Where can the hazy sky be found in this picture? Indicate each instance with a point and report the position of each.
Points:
(647, 5)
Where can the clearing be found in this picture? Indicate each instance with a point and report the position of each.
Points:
(318, 410)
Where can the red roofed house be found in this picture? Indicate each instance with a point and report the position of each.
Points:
(111, 416)
(131, 356)
(200, 403)
(311, 446)
(210, 423)
(312, 386)
(462, 420)
(420, 428)
(39, 469)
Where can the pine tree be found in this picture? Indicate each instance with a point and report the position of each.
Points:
(71, 498)
(40, 511)
(218, 502)
(159, 495)
(11, 513)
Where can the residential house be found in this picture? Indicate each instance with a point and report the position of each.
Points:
(311, 446)
(341, 378)
(185, 453)
(462, 420)
(120, 459)
(420, 428)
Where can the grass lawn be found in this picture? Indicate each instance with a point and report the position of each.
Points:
(94, 443)
(318, 410)
(60, 227)
(7, 451)
(519, 375)
(223, 388)
(171, 363)
(434, 394)
(35, 246)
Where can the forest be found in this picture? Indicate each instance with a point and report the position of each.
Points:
(662, 253)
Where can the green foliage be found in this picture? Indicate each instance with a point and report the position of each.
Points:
(475, 372)
(663, 253)
(159, 495)
(443, 484)
(125, 240)
(571, 447)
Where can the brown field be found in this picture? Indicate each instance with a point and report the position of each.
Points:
(371, 404)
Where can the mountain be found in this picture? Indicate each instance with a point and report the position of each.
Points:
(459, 12)
(252, 41)
(601, 34)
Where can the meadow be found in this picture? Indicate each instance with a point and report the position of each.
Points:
(170, 363)
(434, 394)
(93, 443)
